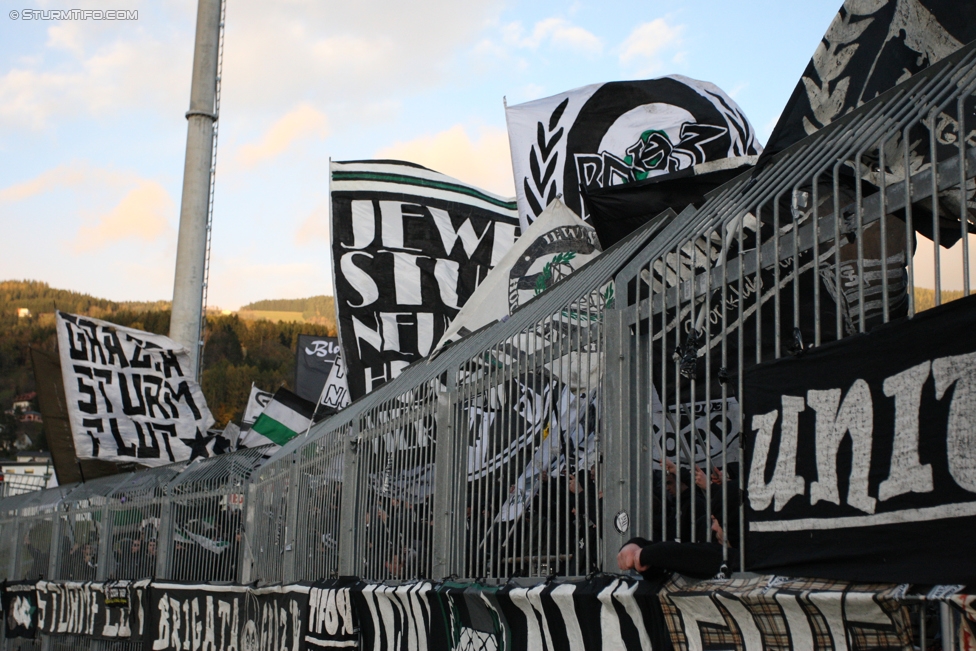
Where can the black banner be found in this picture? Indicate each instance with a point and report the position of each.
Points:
(869, 48)
(860, 455)
(102, 611)
(409, 247)
(601, 612)
(20, 609)
(201, 617)
(313, 363)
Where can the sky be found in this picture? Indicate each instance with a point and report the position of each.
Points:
(93, 133)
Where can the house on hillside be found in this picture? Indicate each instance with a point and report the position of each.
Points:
(24, 402)
(28, 471)
(30, 417)
(23, 313)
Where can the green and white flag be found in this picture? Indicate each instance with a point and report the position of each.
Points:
(285, 417)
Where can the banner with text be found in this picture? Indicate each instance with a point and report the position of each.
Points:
(128, 394)
(225, 617)
(103, 611)
(314, 358)
(409, 247)
(861, 463)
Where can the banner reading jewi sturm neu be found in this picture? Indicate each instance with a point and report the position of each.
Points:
(862, 463)
(614, 133)
(129, 398)
(409, 246)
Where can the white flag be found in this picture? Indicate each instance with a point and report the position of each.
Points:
(556, 244)
(129, 398)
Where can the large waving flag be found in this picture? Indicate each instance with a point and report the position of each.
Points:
(409, 247)
(619, 132)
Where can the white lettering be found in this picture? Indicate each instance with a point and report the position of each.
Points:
(359, 279)
(469, 238)
(961, 436)
(785, 484)
(856, 415)
(363, 225)
(907, 475)
(392, 216)
(406, 279)
(164, 632)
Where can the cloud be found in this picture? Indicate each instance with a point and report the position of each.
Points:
(315, 227)
(60, 176)
(649, 45)
(77, 175)
(557, 32)
(484, 161)
(145, 213)
(345, 53)
(70, 82)
(302, 122)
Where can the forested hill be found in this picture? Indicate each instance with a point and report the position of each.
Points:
(238, 351)
(40, 297)
(314, 306)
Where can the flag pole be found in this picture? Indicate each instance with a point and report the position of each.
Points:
(316, 410)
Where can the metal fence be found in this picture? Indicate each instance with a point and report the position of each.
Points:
(606, 408)
(821, 244)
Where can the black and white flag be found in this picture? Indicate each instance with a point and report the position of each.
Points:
(774, 612)
(556, 245)
(861, 462)
(129, 395)
(409, 246)
(314, 358)
(19, 609)
(619, 132)
(256, 402)
(335, 393)
(868, 48)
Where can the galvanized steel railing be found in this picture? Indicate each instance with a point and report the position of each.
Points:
(537, 445)
(819, 245)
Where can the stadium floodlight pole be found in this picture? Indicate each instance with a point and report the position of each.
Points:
(194, 209)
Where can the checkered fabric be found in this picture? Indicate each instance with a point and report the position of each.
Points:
(759, 598)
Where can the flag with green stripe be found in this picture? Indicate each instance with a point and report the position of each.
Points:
(285, 417)
(409, 247)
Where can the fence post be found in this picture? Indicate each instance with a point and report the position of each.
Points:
(445, 539)
(164, 537)
(291, 522)
(54, 564)
(105, 545)
(247, 559)
(349, 551)
(617, 513)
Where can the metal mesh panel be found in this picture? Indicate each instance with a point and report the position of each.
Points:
(267, 510)
(206, 519)
(85, 531)
(135, 508)
(821, 244)
(36, 531)
(528, 476)
(319, 470)
(395, 481)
